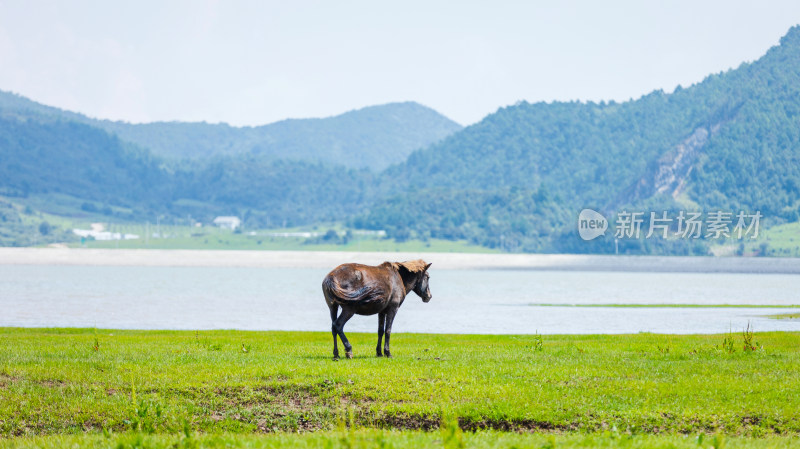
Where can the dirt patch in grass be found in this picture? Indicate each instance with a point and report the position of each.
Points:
(7, 379)
(513, 425)
(51, 383)
(281, 408)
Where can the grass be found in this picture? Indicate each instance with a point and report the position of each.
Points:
(81, 383)
(64, 213)
(167, 236)
(785, 316)
(221, 239)
(781, 240)
(681, 306)
(369, 438)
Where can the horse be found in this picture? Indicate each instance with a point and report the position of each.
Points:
(367, 290)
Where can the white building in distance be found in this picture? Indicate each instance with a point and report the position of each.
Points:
(228, 222)
(98, 232)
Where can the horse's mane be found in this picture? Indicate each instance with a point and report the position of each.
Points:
(414, 266)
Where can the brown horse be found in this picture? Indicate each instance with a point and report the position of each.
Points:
(367, 290)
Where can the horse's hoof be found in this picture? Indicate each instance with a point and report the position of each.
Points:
(379, 355)
(349, 354)
(388, 355)
(336, 358)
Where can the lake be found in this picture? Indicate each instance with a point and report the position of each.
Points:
(492, 301)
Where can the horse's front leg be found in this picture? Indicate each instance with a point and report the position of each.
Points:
(381, 322)
(388, 331)
(346, 314)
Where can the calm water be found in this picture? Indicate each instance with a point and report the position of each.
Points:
(464, 301)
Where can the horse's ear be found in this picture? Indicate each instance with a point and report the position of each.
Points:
(427, 266)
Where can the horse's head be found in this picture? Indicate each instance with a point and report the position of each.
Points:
(415, 277)
(421, 288)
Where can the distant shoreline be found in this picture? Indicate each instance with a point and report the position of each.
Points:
(329, 259)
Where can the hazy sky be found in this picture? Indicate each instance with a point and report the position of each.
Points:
(255, 62)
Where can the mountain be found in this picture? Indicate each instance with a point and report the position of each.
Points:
(270, 193)
(516, 180)
(70, 158)
(78, 163)
(373, 137)
(730, 142)
(285, 174)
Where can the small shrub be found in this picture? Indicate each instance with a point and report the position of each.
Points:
(45, 228)
(728, 344)
(747, 336)
(664, 350)
(538, 343)
(96, 345)
(144, 421)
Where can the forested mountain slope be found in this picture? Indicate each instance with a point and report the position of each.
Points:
(372, 137)
(516, 180)
(729, 142)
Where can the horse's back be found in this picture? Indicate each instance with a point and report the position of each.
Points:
(357, 284)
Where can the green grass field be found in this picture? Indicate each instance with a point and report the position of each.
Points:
(785, 316)
(222, 239)
(63, 214)
(65, 387)
(781, 240)
(681, 306)
(371, 438)
(167, 236)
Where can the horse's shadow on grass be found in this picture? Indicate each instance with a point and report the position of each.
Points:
(342, 359)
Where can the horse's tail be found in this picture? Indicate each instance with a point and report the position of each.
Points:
(331, 287)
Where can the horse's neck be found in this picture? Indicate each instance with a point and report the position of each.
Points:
(408, 285)
(408, 278)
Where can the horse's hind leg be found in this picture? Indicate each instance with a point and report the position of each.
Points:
(381, 321)
(388, 331)
(334, 310)
(346, 314)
